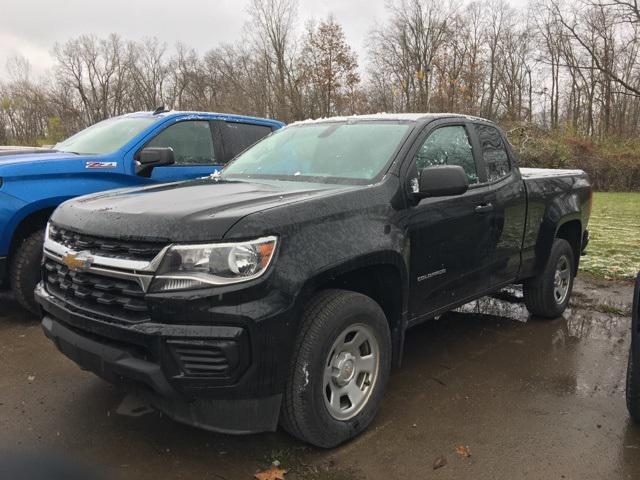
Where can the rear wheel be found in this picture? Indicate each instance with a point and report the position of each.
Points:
(548, 294)
(24, 270)
(339, 370)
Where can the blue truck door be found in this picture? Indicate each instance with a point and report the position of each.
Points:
(196, 151)
(237, 136)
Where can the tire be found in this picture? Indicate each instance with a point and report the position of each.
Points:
(633, 388)
(336, 323)
(24, 270)
(540, 293)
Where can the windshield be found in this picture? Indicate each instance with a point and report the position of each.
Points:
(338, 152)
(106, 136)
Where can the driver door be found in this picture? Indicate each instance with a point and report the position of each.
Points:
(450, 236)
(194, 151)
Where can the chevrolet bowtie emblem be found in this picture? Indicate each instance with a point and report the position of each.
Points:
(78, 262)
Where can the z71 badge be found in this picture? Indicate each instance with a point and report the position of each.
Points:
(100, 165)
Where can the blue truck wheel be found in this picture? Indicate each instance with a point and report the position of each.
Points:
(25, 272)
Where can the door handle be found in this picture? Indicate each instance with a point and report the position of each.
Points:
(484, 208)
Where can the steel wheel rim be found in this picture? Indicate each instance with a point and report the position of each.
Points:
(562, 279)
(350, 371)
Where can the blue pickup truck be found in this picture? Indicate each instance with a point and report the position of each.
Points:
(136, 149)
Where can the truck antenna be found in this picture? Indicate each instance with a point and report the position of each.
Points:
(160, 109)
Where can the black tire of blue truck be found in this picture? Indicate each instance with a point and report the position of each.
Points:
(25, 270)
(540, 292)
(304, 412)
(633, 388)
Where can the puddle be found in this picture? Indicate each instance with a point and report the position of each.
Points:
(592, 313)
(508, 303)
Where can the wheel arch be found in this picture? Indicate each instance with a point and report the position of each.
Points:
(383, 277)
(567, 227)
(571, 231)
(28, 223)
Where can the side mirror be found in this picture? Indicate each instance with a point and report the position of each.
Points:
(442, 181)
(151, 157)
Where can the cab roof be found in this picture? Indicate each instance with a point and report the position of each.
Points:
(401, 117)
(208, 115)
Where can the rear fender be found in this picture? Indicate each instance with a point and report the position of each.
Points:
(561, 210)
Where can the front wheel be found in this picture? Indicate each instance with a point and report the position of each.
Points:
(24, 270)
(340, 367)
(548, 294)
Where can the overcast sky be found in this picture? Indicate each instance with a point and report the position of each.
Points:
(31, 27)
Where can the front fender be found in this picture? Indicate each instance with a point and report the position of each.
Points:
(386, 257)
(376, 260)
(9, 206)
(25, 195)
(14, 211)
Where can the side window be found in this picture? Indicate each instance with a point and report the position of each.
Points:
(448, 146)
(494, 152)
(191, 142)
(239, 136)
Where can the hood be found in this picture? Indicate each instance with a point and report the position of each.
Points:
(18, 164)
(196, 211)
(8, 157)
(52, 162)
(11, 151)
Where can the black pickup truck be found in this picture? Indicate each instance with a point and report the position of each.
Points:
(280, 291)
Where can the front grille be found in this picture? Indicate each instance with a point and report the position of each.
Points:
(204, 358)
(117, 299)
(105, 247)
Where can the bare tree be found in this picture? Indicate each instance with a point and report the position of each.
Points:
(560, 66)
(272, 26)
(98, 70)
(329, 67)
(407, 46)
(149, 73)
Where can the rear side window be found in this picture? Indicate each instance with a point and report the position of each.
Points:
(448, 146)
(237, 137)
(191, 141)
(494, 152)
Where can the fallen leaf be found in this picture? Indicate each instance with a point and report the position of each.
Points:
(463, 451)
(439, 463)
(273, 473)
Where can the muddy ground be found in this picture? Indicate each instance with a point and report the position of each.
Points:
(528, 398)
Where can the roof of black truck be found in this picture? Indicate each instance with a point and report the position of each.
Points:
(405, 117)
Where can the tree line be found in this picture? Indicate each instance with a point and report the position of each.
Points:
(551, 66)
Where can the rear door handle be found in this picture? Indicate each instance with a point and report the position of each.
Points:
(484, 208)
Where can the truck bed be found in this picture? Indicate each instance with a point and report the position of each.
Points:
(539, 173)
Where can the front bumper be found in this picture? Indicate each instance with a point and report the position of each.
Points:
(170, 364)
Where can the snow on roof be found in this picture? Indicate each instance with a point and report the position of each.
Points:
(406, 117)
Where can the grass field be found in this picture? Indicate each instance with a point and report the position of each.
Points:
(614, 248)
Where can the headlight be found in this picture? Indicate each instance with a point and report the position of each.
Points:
(198, 266)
